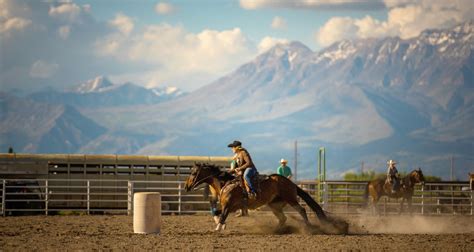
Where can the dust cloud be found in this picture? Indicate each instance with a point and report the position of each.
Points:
(404, 224)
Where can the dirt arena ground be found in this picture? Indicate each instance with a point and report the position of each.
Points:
(115, 232)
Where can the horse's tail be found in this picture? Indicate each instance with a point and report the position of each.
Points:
(311, 203)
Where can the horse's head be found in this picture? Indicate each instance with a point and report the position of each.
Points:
(417, 176)
(200, 173)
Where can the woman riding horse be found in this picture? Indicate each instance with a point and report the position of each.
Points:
(277, 192)
(378, 188)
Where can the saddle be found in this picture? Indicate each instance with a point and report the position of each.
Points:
(387, 187)
(257, 179)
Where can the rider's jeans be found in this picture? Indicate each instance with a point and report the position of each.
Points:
(248, 175)
(395, 184)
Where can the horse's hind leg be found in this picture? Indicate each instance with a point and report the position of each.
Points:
(300, 210)
(277, 209)
(375, 210)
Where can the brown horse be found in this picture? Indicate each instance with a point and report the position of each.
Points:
(378, 188)
(276, 193)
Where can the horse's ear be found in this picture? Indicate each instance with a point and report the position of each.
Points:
(419, 169)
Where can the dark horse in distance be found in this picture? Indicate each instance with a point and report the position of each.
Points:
(378, 188)
(276, 192)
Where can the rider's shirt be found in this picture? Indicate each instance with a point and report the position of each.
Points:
(243, 159)
(284, 171)
(392, 172)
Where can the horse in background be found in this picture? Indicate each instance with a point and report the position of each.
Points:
(378, 188)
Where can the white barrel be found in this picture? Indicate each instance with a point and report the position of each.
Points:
(146, 212)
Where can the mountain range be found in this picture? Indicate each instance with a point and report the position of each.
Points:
(363, 100)
(101, 92)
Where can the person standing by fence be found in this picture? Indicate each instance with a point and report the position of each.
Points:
(284, 170)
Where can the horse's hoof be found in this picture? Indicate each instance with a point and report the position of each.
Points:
(216, 219)
(220, 227)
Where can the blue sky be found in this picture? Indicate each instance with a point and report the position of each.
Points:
(187, 44)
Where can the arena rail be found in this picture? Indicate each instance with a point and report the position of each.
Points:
(347, 197)
(81, 196)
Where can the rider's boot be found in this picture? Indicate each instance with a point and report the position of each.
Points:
(252, 195)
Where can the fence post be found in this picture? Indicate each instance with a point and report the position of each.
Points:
(472, 193)
(3, 198)
(46, 197)
(438, 210)
(88, 196)
(422, 199)
(325, 195)
(179, 197)
(130, 198)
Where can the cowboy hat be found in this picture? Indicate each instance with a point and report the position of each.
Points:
(390, 162)
(234, 144)
(283, 161)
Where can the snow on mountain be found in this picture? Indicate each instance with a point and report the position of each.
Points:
(98, 84)
(101, 92)
(167, 91)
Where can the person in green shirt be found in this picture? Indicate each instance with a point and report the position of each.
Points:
(284, 170)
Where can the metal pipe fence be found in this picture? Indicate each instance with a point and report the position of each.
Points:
(344, 197)
(80, 196)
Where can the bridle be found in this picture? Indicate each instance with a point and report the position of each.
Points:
(193, 185)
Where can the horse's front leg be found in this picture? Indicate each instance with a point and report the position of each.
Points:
(409, 200)
(401, 205)
(223, 217)
(214, 210)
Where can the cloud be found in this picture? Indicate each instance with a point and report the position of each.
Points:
(164, 8)
(314, 4)
(13, 17)
(406, 19)
(15, 23)
(122, 23)
(268, 42)
(278, 23)
(67, 11)
(176, 52)
(43, 69)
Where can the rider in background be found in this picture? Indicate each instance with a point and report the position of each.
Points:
(392, 175)
(245, 165)
(284, 170)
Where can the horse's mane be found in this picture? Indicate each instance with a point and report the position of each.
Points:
(216, 170)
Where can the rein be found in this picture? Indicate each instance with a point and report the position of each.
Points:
(201, 180)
